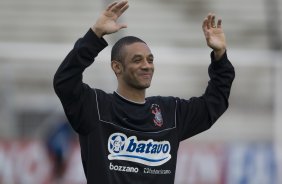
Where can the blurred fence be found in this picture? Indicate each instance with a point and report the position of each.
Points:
(27, 162)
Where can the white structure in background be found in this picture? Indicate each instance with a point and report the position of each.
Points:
(36, 35)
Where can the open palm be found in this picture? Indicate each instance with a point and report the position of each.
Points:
(107, 22)
(214, 33)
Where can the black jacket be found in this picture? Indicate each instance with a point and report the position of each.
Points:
(125, 142)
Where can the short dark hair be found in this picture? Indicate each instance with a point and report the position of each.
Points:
(116, 53)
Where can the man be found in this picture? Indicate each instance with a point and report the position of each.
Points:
(126, 137)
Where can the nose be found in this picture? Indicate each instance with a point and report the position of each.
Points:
(147, 64)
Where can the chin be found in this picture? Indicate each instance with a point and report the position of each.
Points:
(145, 86)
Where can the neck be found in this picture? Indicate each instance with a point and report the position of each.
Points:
(135, 95)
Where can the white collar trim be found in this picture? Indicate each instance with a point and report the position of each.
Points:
(140, 103)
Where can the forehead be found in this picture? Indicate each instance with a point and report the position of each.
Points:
(137, 48)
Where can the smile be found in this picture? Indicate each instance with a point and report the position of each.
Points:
(146, 76)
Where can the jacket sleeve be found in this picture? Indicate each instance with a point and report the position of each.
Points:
(77, 98)
(200, 113)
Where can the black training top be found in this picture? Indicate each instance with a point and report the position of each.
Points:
(126, 142)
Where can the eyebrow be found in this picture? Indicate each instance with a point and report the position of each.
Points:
(151, 55)
(139, 55)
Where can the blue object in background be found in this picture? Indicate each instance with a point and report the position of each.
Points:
(252, 164)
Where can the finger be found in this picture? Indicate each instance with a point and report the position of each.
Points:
(205, 24)
(205, 27)
(123, 9)
(121, 26)
(213, 21)
(209, 21)
(111, 5)
(219, 23)
(119, 6)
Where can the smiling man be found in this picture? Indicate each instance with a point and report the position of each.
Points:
(132, 62)
(126, 137)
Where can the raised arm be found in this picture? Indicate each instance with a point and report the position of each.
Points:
(200, 113)
(77, 97)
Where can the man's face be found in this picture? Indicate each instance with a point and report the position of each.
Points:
(138, 66)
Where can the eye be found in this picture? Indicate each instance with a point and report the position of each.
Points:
(137, 59)
(150, 60)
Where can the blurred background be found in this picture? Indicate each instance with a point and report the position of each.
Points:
(243, 147)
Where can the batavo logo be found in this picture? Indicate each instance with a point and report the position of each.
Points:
(150, 152)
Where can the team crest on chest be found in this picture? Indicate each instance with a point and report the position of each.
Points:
(158, 119)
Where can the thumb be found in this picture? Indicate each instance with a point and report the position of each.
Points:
(121, 26)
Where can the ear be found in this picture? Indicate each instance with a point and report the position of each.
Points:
(116, 67)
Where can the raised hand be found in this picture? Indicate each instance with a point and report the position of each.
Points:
(214, 35)
(107, 22)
